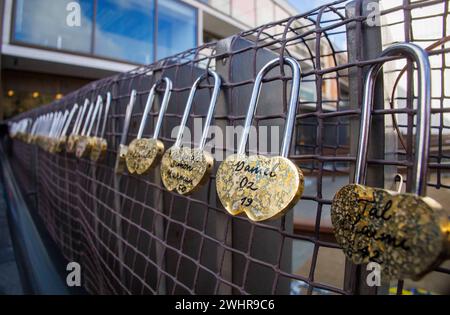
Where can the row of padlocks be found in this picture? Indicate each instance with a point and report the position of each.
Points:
(408, 234)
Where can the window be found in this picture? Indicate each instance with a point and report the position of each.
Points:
(124, 30)
(177, 27)
(45, 23)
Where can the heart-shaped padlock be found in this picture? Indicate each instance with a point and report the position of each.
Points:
(85, 142)
(184, 169)
(61, 141)
(99, 143)
(406, 233)
(44, 138)
(144, 153)
(123, 148)
(32, 133)
(37, 131)
(74, 136)
(57, 133)
(49, 138)
(262, 187)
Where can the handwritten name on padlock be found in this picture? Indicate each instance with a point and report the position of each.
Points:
(402, 232)
(264, 188)
(184, 169)
(144, 153)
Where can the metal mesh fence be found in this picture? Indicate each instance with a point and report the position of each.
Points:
(132, 236)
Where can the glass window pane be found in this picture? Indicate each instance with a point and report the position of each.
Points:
(54, 24)
(124, 30)
(177, 27)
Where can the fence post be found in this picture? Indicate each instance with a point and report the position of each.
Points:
(364, 43)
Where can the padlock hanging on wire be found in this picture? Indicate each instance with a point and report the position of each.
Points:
(85, 142)
(406, 233)
(119, 167)
(99, 143)
(75, 135)
(184, 169)
(54, 143)
(263, 187)
(144, 153)
(62, 139)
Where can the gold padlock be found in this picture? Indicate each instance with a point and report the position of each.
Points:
(184, 169)
(85, 142)
(30, 135)
(144, 153)
(262, 187)
(54, 140)
(74, 136)
(99, 143)
(406, 233)
(49, 137)
(35, 133)
(123, 148)
(44, 133)
(61, 141)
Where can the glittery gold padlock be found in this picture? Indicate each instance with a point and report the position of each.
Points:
(31, 134)
(184, 169)
(99, 143)
(406, 233)
(75, 135)
(49, 137)
(45, 130)
(62, 138)
(85, 142)
(123, 148)
(57, 132)
(262, 187)
(144, 153)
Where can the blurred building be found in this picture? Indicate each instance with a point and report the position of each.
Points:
(51, 47)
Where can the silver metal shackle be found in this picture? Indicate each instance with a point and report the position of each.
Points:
(209, 115)
(107, 106)
(292, 108)
(149, 106)
(420, 56)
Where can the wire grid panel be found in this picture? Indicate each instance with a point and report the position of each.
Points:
(132, 236)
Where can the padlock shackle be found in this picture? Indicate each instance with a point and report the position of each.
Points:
(83, 111)
(108, 105)
(54, 123)
(98, 105)
(99, 117)
(149, 106)
(209, 115)
(61, 124)
(69, 120)
(420, 56)
(292, 107)
(128, 112)
(88, 117)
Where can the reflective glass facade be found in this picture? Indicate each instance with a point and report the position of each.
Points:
(45, 23)
(177, 29)
(124, 30)
(127, 30)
